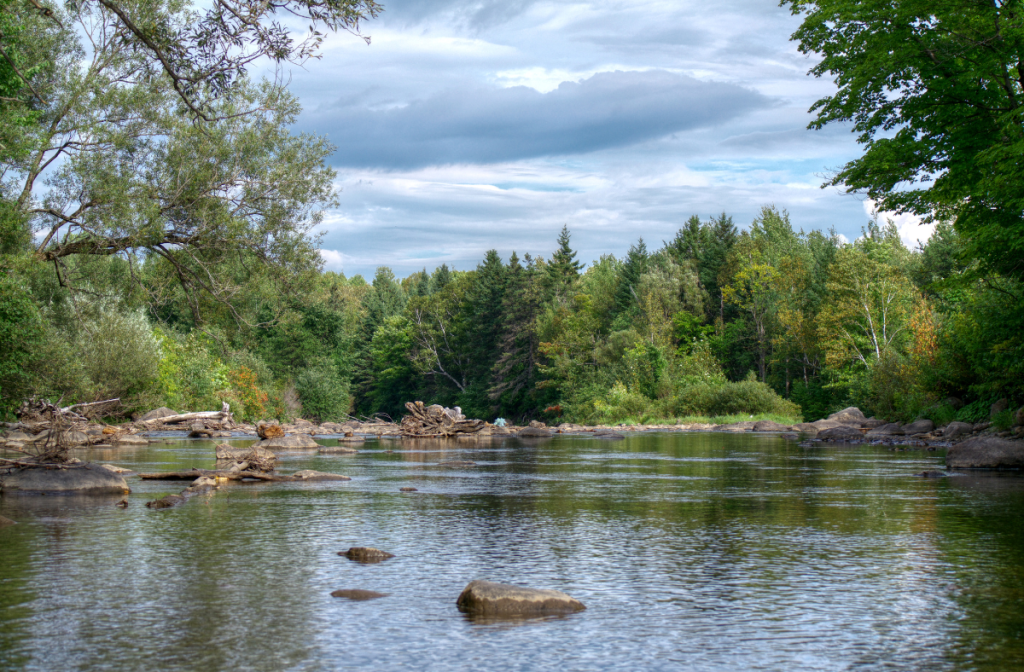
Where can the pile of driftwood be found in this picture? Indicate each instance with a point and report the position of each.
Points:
(435, 420)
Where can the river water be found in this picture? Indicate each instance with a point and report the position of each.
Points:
(691, 551)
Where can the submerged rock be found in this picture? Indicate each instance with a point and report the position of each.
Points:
(366, 554)
(986, 452)
(166, 502)
(80, 479)
(456, 464)
(407, 490)
(311, 475)
(336, 450)
(4, 522)
(499, 599)
(357, 594)
(609, 436)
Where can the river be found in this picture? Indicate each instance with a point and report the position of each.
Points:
(691, 552)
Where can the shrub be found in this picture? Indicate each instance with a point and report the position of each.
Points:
(22, 333)
(117, 349)
(323, 392)
(976, 411)
(750, 397)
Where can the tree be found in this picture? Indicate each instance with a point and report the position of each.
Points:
(563, 270)
(634, 266)
(935, 92)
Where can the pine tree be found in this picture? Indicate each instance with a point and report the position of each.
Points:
(635, 265)
(563, 270)
(441, 278)
(514, 374)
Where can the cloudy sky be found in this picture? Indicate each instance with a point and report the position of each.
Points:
(475, 124)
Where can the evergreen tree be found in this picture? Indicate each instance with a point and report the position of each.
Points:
(442, 278)
(514, 374)
(563, 270)
(485, 307)
(635, 265)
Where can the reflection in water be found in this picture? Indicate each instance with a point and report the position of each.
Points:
(702, 551)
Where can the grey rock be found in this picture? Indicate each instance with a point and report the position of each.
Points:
(84, 479)
(158, 413)
(873, 423)
(998, 407)
(533, 432)
(954, 402)
(828, 424)
(744, 426)
(922, 426)
(311, 475)
(294, 441)
(849, 416)
(116, 469)
(537, 424)
(366, 554)
(487, 598)
(18, 436)
(357, 594)
(986, 452)
(955, 429)
(130, 440)
(841, 433)
(769, 426)
(931, 474)
(791, 436)
(166, 502)
(806, 427)
(609, 436)
(892, 429)
(226, 451)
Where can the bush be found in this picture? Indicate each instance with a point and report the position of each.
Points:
(976, 411)
(118, 351)
(323, 392)
(22, 333)
(190, 376)
(750, 397)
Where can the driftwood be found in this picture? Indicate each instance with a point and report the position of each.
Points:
(220, 416)
(437, 421)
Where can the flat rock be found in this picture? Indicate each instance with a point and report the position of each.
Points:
(892, 429)
(872, 423)
(609, 436)
(806, 427)
(769, 426)
(84, 479)
(158, 413)
(18, 436)
(955, 429)
(311, 475)
(290, 441)
(841, 433)
(827, 424)
(5, 522)
(407, 490)
(533, 432)
(986, 452)
(116, 469)
(487, 598)
(357, 594)
(336, 450)
(922, 426)
(366, 554)
(849, 416)
(226, 451)
(130, 440)
(736, 427)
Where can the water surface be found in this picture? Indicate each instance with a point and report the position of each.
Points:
(691, 551)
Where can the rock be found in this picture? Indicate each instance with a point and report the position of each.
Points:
(311, 475)
(922, 426)
(198, 430)
(828, 424)
(873, 423)
(892, 429)
(76, 438)
(806, 427)
(158, 413)
(166, 502)
(116, 469)
(953, 402)
(769, 426)
(955, 429)
(18, 436)
(486, 598)
(350, 438)
(533, 432)
(791, 436)
(609, 436)
(537, 424)
(5, 522)
(1018, 417)
(366, 554)
(986, 452)
(290, 441)
(997, 408)
(848, 416)
(931, 474)
(226, 451)
(407, 490)
(736, 427)
(336, 450)
(268, 430)
(357, 594)
(86, 479)
(456, 464)
(130, 440)
(841, 433)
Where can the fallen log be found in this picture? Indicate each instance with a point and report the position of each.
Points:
(193, 474)
(436, 420)
(186, 417)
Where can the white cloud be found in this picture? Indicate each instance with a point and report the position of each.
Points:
(333, 260)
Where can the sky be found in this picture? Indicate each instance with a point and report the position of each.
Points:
(469, 125)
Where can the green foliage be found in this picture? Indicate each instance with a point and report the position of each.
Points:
(190, 377)
(322, 392)
(22, 335)
(746, 396)
(976, 411)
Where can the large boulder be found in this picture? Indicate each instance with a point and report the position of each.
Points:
(841, 433)
(533, 432)
(892, 429)
(956, 429)
(226, 451)
(157, 413)
(828, 424)
(922, 426)
(486, 598)
(769, 426)
(293, 441)
(849, 416)
(986, 452)
(807, 427)
(997, 408)
(79, 479)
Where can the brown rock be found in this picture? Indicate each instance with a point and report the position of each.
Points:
(407, 490)
(892, 429)
(806, 427)
(986, 452)
(166, 502)
(533, 432)
(873, 423)
(336, 450)
(486, 598)
(266, 430)
(769, 426)
(296, 441)
(366, 554)
(130, 440)
(357, 594)
(841, 433)
(849, 416)
(225, 451)
(998, 407)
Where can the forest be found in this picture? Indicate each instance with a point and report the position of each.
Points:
(158, 245)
